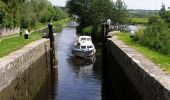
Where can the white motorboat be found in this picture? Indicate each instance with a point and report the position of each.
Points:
(84, 47)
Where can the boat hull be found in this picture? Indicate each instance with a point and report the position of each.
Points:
(83, 53)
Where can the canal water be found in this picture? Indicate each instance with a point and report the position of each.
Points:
(78, 79)
(82, 79)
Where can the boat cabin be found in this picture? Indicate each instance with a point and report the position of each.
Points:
(84, 38)
(86, 47)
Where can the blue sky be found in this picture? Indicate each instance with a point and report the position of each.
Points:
(131, 4)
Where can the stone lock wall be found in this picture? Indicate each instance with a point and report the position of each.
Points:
(17, 62)
(151, 82)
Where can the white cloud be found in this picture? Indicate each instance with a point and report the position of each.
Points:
(146, 4)
(58, 2)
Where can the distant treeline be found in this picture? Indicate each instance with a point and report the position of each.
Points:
(26, 13)
(142, 13)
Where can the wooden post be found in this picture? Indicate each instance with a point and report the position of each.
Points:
(52, 48)
(104, 50)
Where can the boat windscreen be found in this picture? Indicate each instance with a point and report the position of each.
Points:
(83, 38)
(89, 47)
(83, 47)
(88, 39)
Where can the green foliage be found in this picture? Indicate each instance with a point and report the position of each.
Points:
(121, 14)
(165, 15)
(138, 21)
(26, 13)
(87, 30)
(162, 11)
(95, 12)
(139, 36)
(154, 20)
(11, 44)
(9, 14)
(59, 14)
(167, 18)
(156, 57)
(156, 35)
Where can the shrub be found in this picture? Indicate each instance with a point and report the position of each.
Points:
(87, 30)
(156, 36)
(139, 36)
(154, 20)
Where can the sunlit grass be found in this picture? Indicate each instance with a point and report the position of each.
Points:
(138, 20)
(14, 43)
(160, 59)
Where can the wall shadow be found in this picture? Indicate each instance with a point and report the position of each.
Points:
(115, 84)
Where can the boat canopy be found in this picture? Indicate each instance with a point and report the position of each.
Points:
(84, 38)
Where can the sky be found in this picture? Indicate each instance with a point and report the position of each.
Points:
(131, 4)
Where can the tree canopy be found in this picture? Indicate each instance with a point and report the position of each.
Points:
(26, 13)
(162, 11)
(95, 12)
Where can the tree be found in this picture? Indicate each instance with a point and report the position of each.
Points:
(26, 13)
(156, 35)
(121, 14)
(9, 13)
(95, 12)
(100, 11)
(162, 11)
(167, 18)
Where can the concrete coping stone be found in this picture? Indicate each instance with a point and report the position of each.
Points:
(25, 48)
(4, 61)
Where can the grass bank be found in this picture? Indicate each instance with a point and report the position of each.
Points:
(14, 43)
(7, 45)
(160, 59)
(59, 24)
(138, 21)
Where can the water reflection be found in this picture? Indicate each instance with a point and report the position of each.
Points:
(79, 62)
(83, 67)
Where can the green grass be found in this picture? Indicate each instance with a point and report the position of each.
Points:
(14, 43)
(138, 20)
(160, 59)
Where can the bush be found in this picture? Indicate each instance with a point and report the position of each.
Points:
(154, 20)
(139, 36)
(87, 30)
(156, 36)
